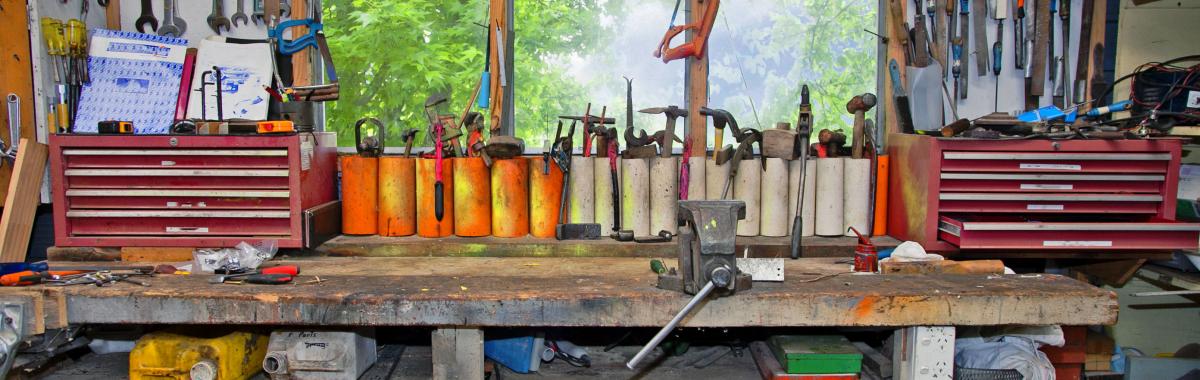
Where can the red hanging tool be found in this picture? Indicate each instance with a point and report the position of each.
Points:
(439, 205)
(695, 47)
(685, 170)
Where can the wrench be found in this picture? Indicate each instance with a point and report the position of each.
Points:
(240, 15)
(182, 25)
(147, 17)
(217, 18)
(168, 27)
(285, 10)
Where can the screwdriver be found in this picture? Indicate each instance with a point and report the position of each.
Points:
(26, 278)
(76, 37)
(1019, 41)
(999, 12)
(263, 279)
(52, 33)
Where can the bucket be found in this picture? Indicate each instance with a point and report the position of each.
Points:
(510, 197)
(360, 188)
(472, 197)
(427, 223)
(397, 196)
(545, 194)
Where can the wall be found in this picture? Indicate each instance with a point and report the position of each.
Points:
(1154, 324)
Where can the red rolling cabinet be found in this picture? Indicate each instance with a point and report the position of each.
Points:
(188, 191)
(1036, 195)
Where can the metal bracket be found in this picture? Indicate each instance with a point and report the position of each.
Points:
(12, 331)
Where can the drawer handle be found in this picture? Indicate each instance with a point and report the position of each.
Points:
(202, 230)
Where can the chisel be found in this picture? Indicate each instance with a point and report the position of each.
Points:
(1085, 49)
(964, 24)
(1064, 80)
(1019, 38)
(999, 12)
(979, 18)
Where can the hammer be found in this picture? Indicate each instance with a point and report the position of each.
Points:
(408, 136)
(858, 106)
(664, 139)
(721, 118)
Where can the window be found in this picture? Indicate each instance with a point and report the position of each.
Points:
(391, 55)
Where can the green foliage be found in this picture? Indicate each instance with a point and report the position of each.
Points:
(391, 55)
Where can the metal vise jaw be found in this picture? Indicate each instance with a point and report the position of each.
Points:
(706, 248)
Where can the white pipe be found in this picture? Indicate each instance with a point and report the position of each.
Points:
(829, 197)
(774, 215)
(697, 185)
(714, 179)
(635, 196)
(604, 201)
(664, 193)
(856, 183)
(583, 190)
(747, 188)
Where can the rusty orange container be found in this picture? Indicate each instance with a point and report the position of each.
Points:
(427, 223)
(510, 197)
(360, 187)
(545, 195)
(397, 196)
(472, 197)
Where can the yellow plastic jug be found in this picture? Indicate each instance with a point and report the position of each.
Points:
(193, 354)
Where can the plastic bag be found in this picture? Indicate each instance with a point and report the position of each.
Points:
(244, 256)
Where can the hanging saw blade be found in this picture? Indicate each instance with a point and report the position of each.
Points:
(979, 29)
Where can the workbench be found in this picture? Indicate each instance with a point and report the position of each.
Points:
(460, 296)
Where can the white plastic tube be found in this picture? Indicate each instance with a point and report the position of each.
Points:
(856, 184)
(829, 197)
(635, 196)
(696, 184)
(583, 191)
(664, 193)
(774, 216)
(747, 188)
(714, 179)
(604, 201)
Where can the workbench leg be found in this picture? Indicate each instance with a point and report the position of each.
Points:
(458, 354)
(923, 352)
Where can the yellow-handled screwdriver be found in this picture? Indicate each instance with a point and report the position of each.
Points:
(52, 33)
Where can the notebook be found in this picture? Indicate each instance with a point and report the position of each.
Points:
(135, 77)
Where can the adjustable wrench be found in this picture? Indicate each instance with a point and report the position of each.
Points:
(147, 17)
(170, 26)
(240, 14)
(217, 18)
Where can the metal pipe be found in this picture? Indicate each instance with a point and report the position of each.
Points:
(662, 334)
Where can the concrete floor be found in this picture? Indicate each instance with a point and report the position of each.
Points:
(416, 363)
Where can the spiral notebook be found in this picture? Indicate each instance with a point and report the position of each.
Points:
(134, 77)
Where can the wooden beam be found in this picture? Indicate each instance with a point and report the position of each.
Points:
(22, 201)
(302, 67)
(696, 83)
(498, 13)
(16, 77)
(457, 354)
(894, 16)
(112, 15)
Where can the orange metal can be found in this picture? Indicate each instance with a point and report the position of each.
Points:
(510, 197)
(427, 223)
(397, 196)
(472, 197)
(360, 187)
(545, 196)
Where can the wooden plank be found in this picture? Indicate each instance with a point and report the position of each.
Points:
(457, 353)
(302, 67)
(604, 292)
(896, 45)
(498, 12)
(16, 77)
(83, 254)
(112, 15)
(769, 247)
(22, 201)
(156, 254)
(1113, 273)
(696, 81)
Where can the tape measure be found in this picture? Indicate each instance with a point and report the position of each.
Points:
(276, 126)
(114, 127)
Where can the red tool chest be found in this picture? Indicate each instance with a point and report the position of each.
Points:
(1036, 195)
(188, 191)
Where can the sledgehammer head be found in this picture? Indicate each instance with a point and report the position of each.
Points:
(861, 103)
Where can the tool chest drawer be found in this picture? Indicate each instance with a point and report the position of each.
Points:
(198, 191)
(1022, 234)
(1055, 162)
(1029, 195)
(1051, 183)
(1050, 203)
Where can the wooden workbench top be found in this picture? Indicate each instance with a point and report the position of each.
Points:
(582, 292)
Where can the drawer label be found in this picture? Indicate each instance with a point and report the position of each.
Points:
(188, 230)
(1077, 243)
(306, 153)
(168, 163)
(1046, 186)
(1044, 207)
(949, 228)
(1050, 167)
